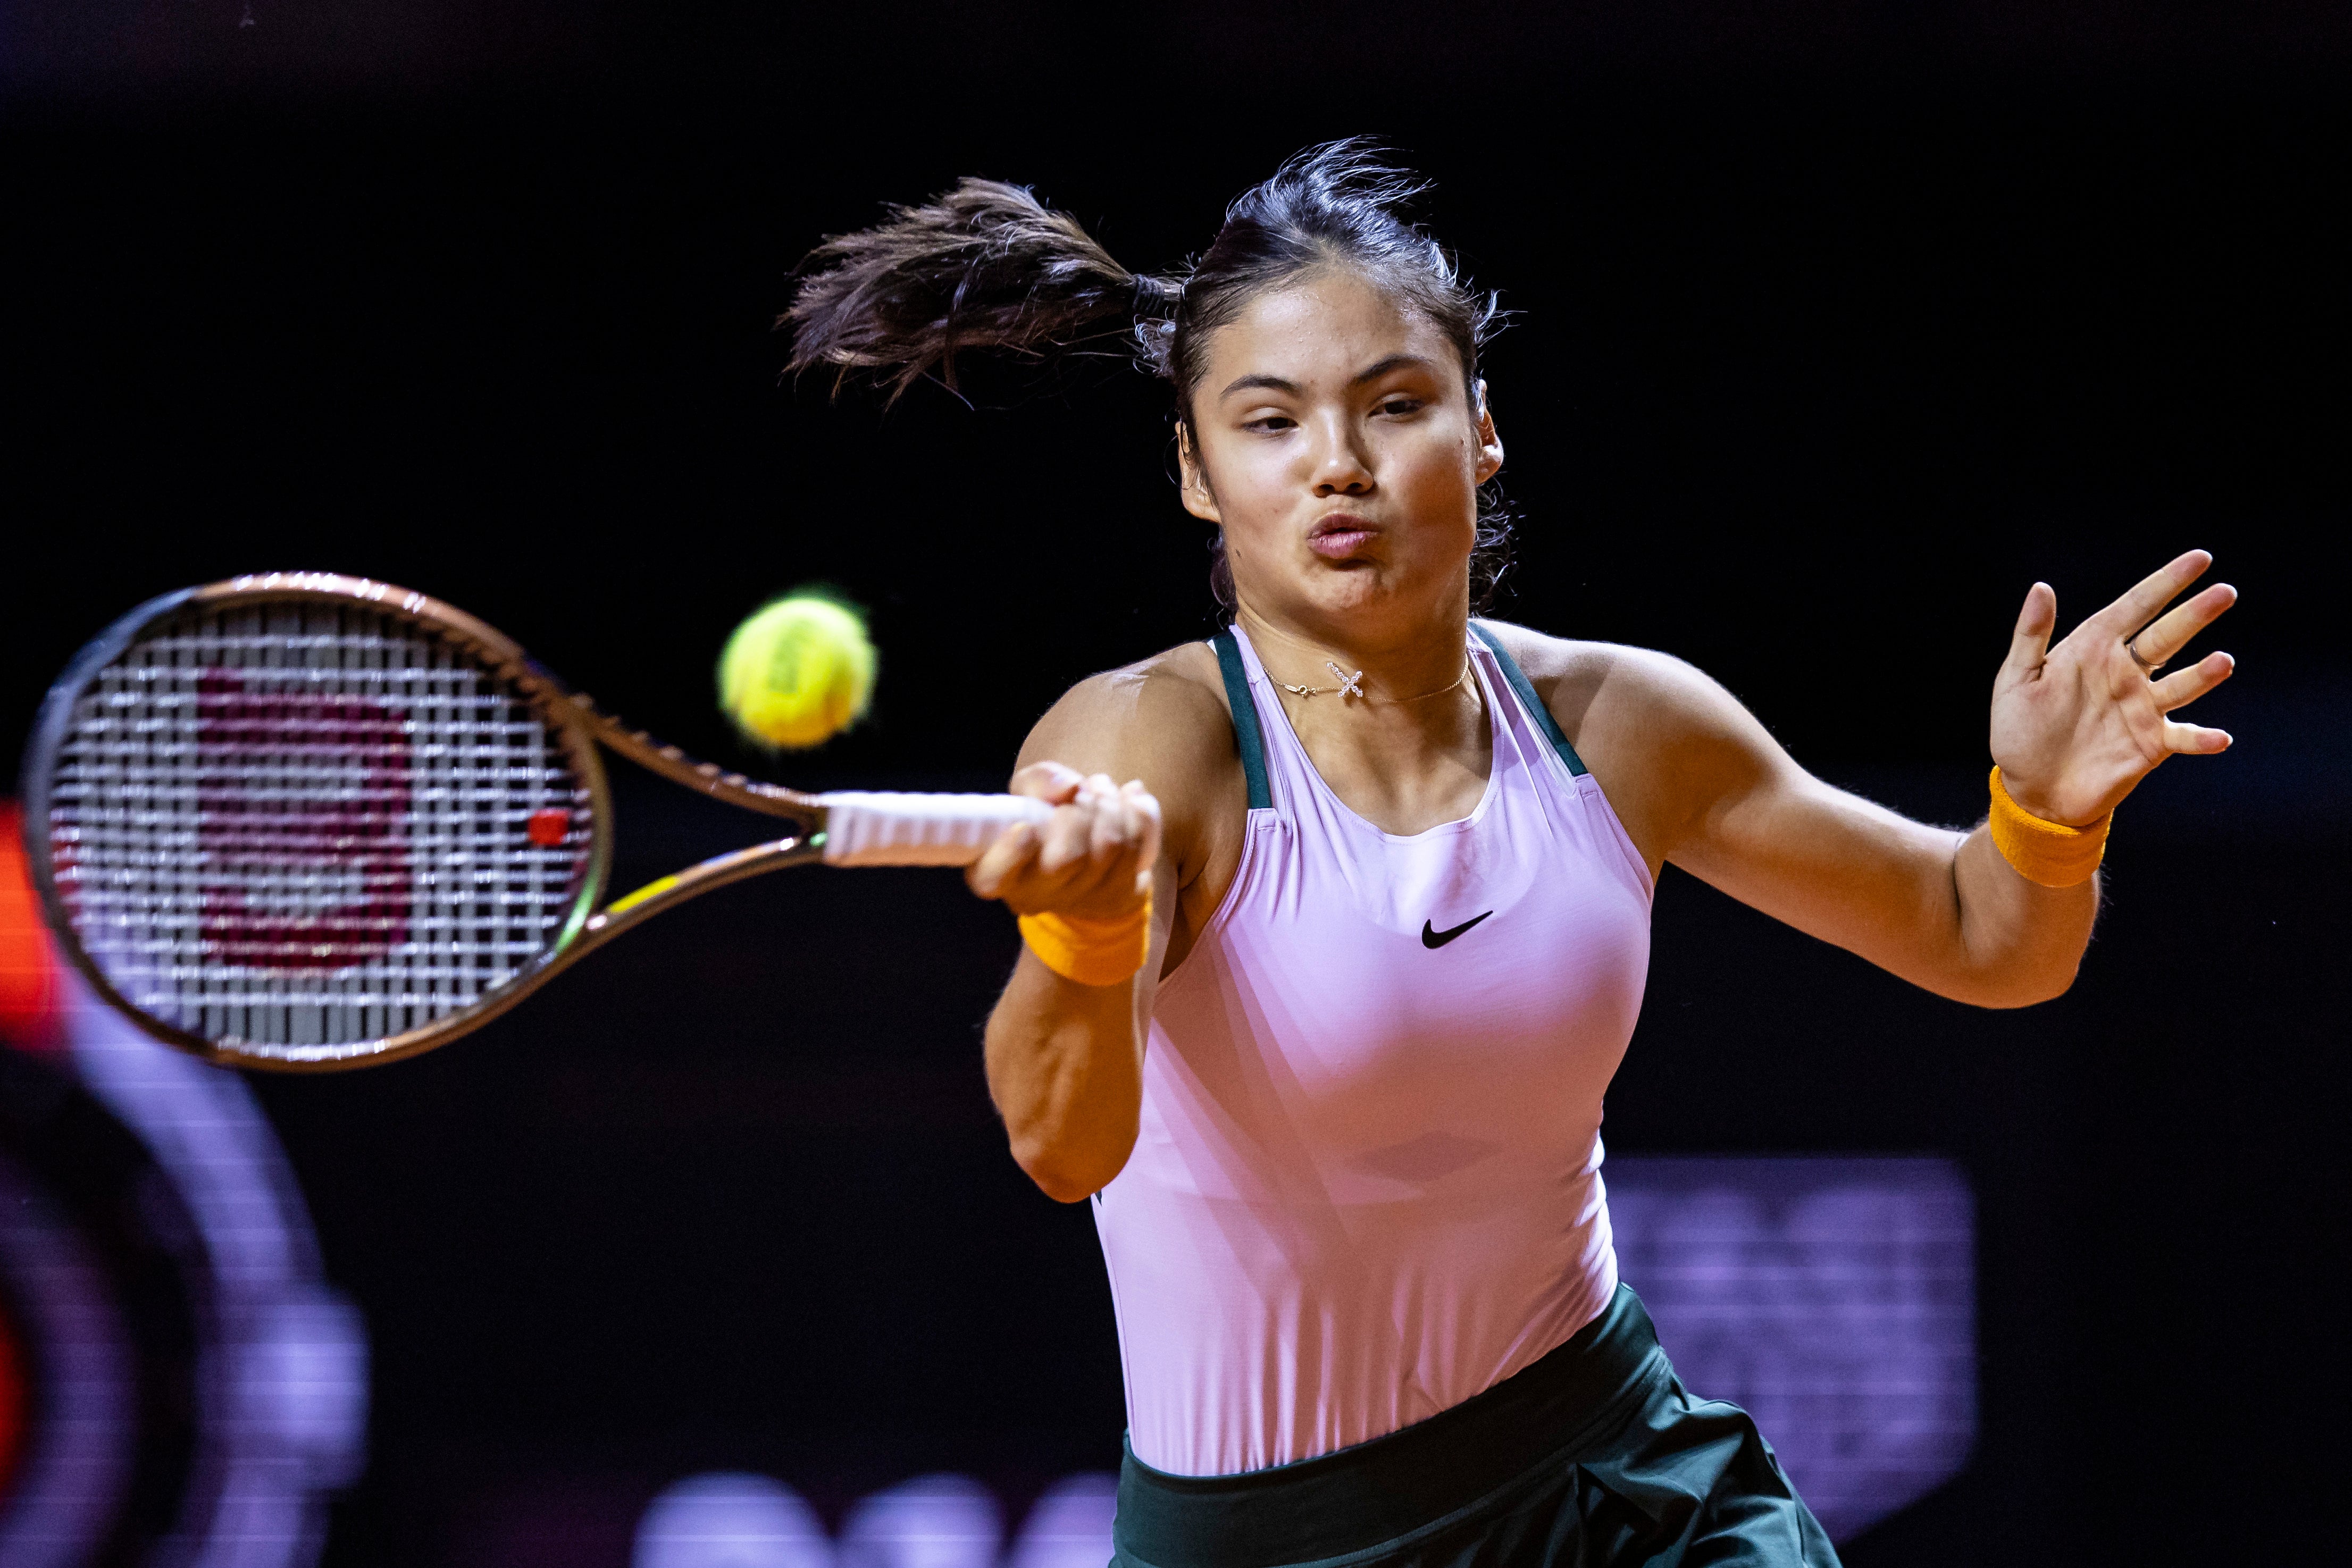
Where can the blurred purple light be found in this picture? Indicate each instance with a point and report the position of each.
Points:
(1833, 1299)
(1069, 1526)
(74, 1470)
(931, 1521)
(282, 1363)
(731, 1520)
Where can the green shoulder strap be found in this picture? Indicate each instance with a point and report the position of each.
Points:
(1527, 699)
(1247, 734)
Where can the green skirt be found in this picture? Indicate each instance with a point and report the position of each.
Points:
(1594, 1456)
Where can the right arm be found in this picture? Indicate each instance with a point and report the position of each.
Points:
(1065, 1060)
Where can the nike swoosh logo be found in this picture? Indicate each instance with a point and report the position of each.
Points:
(1430, 937)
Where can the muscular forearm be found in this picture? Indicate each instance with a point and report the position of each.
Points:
(1940, 909)
(1065, 1067)
(2017, 942)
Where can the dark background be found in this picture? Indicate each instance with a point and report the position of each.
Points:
(1839, 326)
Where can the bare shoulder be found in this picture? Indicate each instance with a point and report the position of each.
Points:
(1164, 714)
(1599, 685)
(1661, 735)
(1162, 720)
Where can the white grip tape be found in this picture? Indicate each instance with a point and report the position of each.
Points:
(863, 826)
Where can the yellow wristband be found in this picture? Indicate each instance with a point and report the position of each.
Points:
(2051, 853)
(1091, 952)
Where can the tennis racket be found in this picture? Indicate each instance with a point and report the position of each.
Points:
(310, 822)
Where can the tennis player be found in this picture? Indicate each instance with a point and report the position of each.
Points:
(1322, 1018)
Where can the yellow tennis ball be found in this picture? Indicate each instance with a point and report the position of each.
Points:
(798, 673)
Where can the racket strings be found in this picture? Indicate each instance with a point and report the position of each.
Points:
(301, 825)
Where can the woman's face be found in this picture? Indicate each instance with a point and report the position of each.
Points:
(1333, 440)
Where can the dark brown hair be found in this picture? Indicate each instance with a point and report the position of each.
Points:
(987, 266)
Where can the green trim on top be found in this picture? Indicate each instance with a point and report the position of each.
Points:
(1529, 700)
(1250, 735)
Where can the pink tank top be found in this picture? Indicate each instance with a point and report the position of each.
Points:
(1366, 1185)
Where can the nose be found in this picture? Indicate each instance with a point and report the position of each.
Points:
(1342, 467)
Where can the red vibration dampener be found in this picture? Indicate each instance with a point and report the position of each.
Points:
(550, 826)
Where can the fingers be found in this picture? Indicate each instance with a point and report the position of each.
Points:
(2182, 687)
(2173, 629)
(1015, 847)
(1063, 841)
(2029, 645)
(1085, 827)
(2191, 740)
(1147, 848)
(2152, 593)
(1101, 844)
(1126, 825)
(1019, 846)
(1048, 781)
(1114, 827)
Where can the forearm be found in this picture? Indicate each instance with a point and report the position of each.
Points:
(1938, 908)
(1066, 1070)
(2017, 942)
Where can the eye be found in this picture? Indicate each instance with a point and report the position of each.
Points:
(1400, 404)
(1268, 423)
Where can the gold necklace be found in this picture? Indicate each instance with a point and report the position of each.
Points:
(1352, 686)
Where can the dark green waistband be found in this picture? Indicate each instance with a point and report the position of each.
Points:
(1571, 1401)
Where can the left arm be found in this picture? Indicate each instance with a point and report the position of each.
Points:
(1939, 908)
(2076, 727)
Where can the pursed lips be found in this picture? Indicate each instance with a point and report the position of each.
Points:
(1339, 536)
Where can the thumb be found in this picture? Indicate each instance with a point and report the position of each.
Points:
(1013, 848)
(2029, 645)
(1051, 782)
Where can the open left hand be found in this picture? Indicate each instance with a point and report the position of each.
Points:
(2076, 728)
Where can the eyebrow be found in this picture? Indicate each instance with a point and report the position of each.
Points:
(1270, 383)
(1393, 362)
(1370, 373)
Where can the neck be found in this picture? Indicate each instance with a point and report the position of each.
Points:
(1415, 750)
(1421, 661)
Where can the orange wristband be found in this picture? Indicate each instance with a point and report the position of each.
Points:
(2051, 853)
(1091, 952)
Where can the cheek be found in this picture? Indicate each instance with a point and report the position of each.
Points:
(1440, 477)
(1253, 484)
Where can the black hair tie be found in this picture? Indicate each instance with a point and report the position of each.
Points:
(1156, 299)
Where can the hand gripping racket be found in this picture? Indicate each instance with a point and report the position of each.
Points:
(310, 822)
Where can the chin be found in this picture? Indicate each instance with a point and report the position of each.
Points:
(1358, 593)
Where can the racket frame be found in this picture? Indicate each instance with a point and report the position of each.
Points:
(570, 716)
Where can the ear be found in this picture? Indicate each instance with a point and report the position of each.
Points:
(1199, 499)
(1490, 446)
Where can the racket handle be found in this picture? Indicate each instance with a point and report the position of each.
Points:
(863, 826)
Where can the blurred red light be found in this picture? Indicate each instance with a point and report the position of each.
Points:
(30, 993)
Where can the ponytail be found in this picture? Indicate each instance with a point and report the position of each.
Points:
(985, 267)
